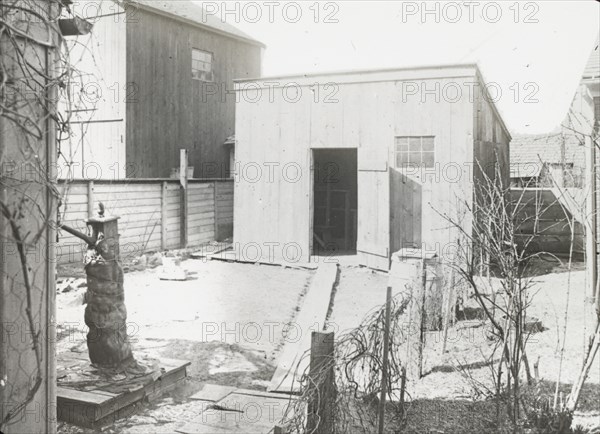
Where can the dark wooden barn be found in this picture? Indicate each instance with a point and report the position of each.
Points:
(158, 77)
(181, 64)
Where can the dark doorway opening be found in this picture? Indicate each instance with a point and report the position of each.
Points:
(335, 201)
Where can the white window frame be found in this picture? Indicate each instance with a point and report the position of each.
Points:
(407, 148)
(202, 65)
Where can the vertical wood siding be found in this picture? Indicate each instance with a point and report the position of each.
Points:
(366, 114)
(97, 139)
(171, 110)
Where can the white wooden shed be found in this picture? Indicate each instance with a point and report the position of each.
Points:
(360, 162)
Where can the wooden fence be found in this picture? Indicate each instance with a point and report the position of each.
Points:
(555, 210)
(150, 213)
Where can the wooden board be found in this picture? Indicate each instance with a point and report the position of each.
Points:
(209, 250)
(294, 359)
(212, 393)
(95, 408)
(243, 411)
(231, 255)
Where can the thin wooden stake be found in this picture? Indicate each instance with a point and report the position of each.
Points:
(402, 386)
(386, 349)
(422, 315)
(449, 308)
(90, 199)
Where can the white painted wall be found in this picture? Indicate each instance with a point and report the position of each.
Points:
(95, 148)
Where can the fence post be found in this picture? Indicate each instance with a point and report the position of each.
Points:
(90, 199)
(384, 368)
(163, 214)
(322, 383)
(183, 180)
(450, 308)
(422, 316)
(216, 205)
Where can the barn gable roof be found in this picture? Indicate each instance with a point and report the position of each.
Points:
(192, 13)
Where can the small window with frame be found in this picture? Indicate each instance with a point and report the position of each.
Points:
(414, 151)
(202, 65)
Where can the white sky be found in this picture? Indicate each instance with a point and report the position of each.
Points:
(551, 53)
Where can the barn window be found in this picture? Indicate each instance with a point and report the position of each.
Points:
(414, 151)
(202, 65)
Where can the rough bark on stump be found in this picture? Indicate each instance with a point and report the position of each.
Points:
(105, 313)
(106, 316)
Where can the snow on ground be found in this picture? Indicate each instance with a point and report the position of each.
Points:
(213, 320)
(228, 320)
(443, 390)
(247, 305)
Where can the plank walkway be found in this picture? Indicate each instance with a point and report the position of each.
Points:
(294, 358)
(238, 411)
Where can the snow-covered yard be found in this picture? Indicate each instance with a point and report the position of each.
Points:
(228, 319)
(443, 397)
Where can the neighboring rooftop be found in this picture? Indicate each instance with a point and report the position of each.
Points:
(529, 152)
(592, 68)
(193, 13)
(533, 148)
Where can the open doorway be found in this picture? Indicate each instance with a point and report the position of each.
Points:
(335, 201)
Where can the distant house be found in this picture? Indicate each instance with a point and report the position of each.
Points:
(552, 169)
(591, 79)
(155, 77)
(557, 158)
(546, 160)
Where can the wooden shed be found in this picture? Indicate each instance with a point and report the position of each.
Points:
(361, 162)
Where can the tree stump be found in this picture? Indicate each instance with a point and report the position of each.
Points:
(105, 313)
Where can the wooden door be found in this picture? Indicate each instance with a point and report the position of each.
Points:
(373, 233)
(405, 211)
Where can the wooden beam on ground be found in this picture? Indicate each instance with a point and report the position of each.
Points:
(294, 358)
(212, 393)
(228, 254)
(242, 411)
